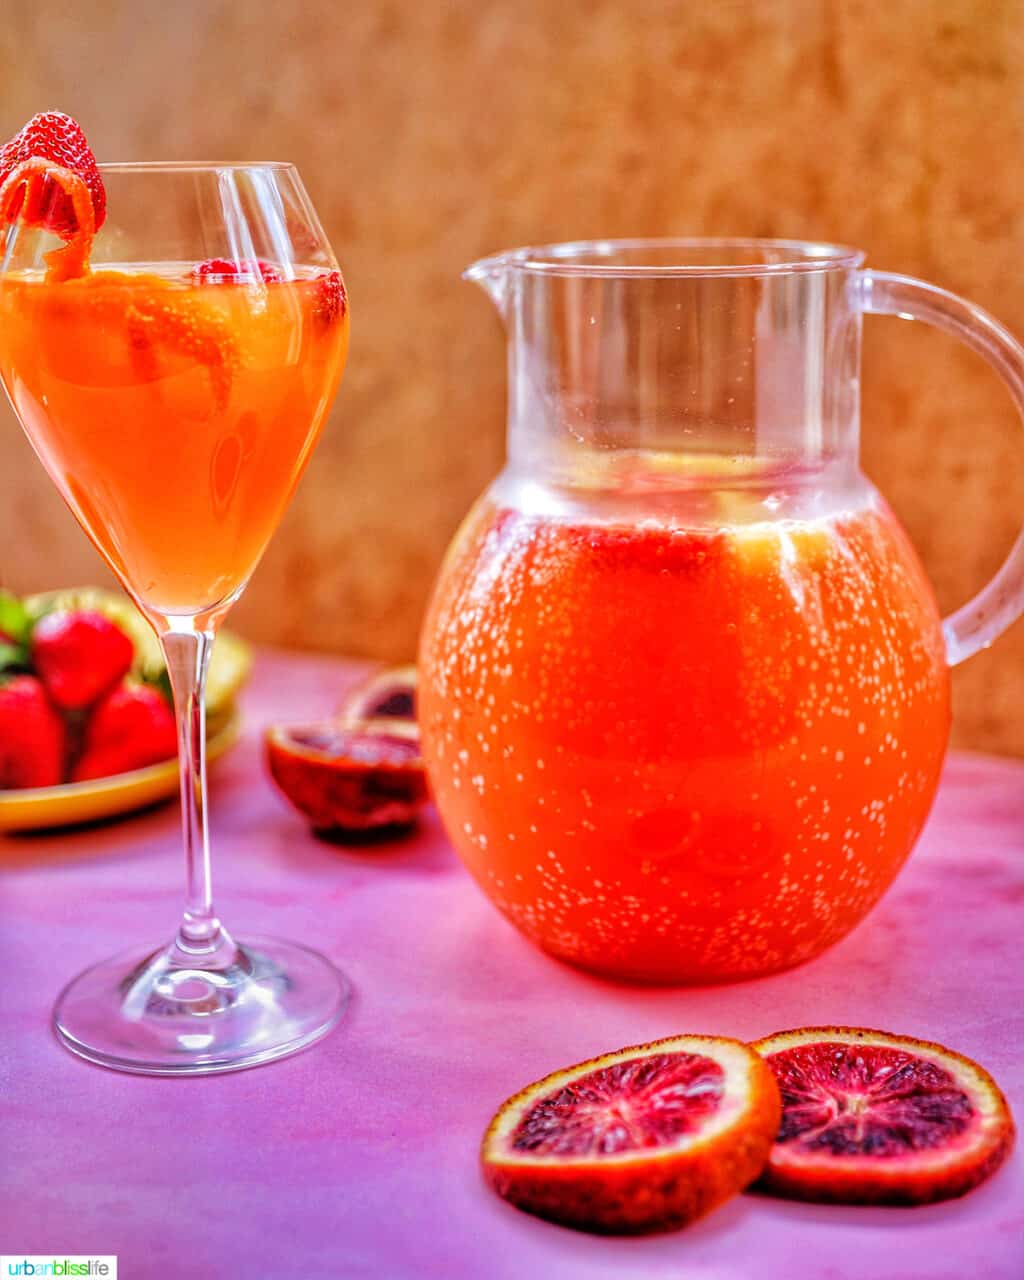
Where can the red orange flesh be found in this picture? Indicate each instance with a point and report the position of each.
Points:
(644, 1139)
(873, 1118)
(349, 777)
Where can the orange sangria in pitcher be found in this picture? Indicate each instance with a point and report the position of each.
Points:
(685, 689)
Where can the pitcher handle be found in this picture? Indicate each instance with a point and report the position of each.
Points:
(976, 624)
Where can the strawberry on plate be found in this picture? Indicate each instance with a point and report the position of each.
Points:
(80, 654)
(132, 727)
(32, 736)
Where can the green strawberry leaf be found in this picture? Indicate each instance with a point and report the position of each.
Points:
(161, 681)
(13, 657)
(15, 622)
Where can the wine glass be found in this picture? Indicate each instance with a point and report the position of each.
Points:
(174, 392)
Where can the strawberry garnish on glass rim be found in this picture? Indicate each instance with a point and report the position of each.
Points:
(49, 179)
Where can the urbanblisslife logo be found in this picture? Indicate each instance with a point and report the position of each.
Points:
(44, 1265)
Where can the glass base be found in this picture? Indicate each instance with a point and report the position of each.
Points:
(184, 1011)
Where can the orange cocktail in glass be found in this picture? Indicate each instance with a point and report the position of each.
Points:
(175, 412)
(172, 364)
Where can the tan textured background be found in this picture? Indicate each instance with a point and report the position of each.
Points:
(432, 132)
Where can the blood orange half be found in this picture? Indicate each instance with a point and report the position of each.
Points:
(350, 778)
(873, 1118)
(644, 1139)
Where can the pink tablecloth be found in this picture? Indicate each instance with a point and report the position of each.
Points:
(358, 1157)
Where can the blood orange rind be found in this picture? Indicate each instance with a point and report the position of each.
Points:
(937, 1127)
(703, 1116)
(389, 694)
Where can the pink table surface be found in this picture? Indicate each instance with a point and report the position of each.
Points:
(358, 1157)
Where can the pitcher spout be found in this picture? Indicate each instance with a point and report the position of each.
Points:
(492, 275)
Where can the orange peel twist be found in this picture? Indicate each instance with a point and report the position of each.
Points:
(180, 325)
(25, 195)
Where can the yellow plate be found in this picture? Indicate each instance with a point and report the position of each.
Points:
(38, 808)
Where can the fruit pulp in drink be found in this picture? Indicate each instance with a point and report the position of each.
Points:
(683, 754)
(174, 414)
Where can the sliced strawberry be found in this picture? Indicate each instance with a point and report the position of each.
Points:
(131, 728)
(56, 137)
(80, 655)
(332, 300)
(32, 736)
(217, 270)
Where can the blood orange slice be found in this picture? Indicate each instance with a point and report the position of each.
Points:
(873, 1118)
(644, 1139)
(350, 778)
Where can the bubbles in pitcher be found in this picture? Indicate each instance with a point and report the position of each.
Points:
(675, 752)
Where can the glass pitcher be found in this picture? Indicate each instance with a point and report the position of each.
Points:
(685, 689)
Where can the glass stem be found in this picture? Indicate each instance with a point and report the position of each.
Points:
(187, 654)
